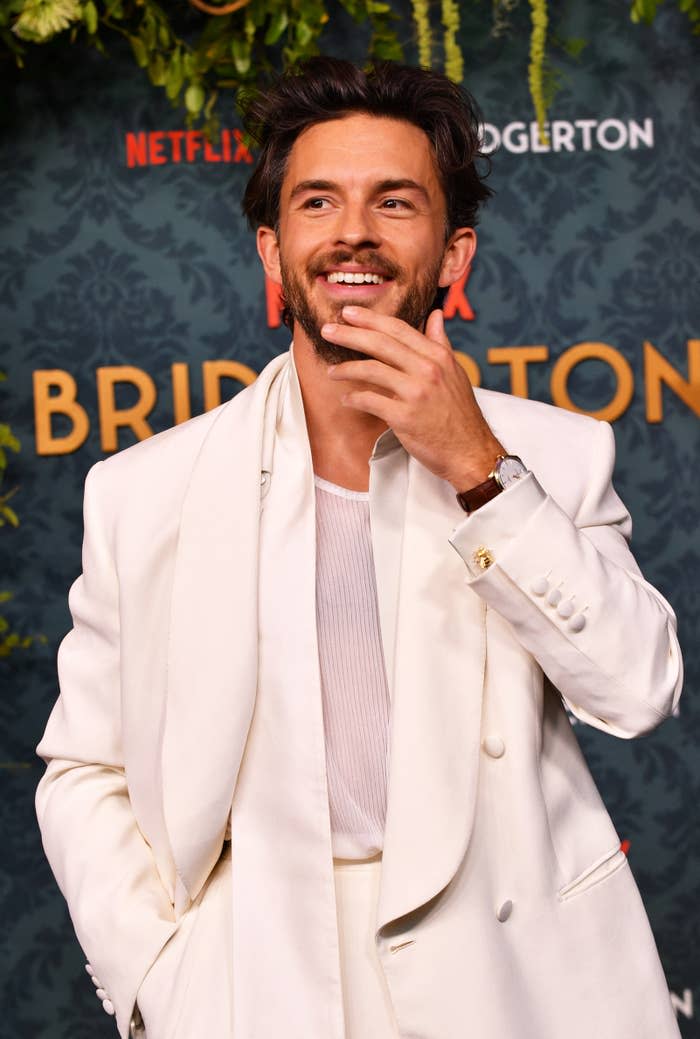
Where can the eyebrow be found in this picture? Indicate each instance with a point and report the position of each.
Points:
(390, 184)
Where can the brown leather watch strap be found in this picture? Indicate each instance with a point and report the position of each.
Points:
(479, 495)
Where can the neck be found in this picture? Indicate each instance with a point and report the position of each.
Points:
(341, 438)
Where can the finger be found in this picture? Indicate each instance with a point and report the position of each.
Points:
(375, 373)
(374, 404)
(396, 328)
(375, 344)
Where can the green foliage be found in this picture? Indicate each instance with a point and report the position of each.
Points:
(9, 640)
(646, 11)
(195, 50)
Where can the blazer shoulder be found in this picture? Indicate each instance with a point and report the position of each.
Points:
(545, 428)
(173, 447)
(523, 411)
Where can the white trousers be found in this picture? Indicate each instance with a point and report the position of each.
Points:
(366, 1000)
(197, 961)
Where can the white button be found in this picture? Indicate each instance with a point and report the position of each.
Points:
(554, 597)
(108, 1006)
(505, 911)
(539, 586)
(566, 608)
(95, 980)
(101, 994)
(577, 622)
(88, 968)
(494, 746)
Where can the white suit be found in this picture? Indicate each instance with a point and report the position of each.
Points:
(190, 695)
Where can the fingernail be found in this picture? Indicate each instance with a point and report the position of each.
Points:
(351, 311)
(328, 329)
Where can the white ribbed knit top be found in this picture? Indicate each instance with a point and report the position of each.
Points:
(353, 676)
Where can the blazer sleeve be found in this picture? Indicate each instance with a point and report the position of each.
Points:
(104, 867)
(575, 598)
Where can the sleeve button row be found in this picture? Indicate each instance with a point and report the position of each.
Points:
(565, 609)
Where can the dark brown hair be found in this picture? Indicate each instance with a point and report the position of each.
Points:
(322, 89)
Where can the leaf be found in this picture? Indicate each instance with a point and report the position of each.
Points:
(157, 70)
(140, 52)
(574, 46)
(304, 33)
(194, 98)
(240, 51)
(90, 17)
(7, 438)
(278, 23)
(149, 31)
(10, 515)
(174, 77)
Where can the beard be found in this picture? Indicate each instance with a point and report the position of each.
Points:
(413, 307)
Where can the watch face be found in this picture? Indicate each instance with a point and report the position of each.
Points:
(509, 469)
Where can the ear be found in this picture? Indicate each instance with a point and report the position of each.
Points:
(458, 256)
(269, 253)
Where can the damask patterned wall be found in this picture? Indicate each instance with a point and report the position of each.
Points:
(106, 264)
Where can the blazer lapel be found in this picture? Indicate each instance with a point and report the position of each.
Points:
(213, 639)
(438, 672)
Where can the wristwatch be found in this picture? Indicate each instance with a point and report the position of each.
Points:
(507, 470)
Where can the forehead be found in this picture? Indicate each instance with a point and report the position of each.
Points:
(361, 149)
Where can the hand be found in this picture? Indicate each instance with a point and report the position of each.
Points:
(420, 390)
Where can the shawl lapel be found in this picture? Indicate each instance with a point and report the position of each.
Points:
(436, 657)
(213, 638)
(438, 672)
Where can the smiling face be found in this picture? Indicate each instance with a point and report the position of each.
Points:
(362, 221)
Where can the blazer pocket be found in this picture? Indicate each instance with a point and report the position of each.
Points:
(187, 991)
(593, 875)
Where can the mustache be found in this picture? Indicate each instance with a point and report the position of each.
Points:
(366, 258)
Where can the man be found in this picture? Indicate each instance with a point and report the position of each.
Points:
(310, 772)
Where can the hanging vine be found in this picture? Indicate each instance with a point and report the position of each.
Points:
(535, 72)
(424, 34)
(454, 61)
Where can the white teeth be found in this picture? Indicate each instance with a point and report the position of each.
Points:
(354, 278)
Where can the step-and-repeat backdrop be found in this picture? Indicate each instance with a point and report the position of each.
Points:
(131, 297)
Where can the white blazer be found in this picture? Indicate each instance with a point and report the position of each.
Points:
(507, 910)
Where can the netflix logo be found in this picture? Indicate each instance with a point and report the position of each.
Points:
(164, 147)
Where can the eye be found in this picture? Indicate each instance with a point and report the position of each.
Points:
(395, 203)
(316, 203)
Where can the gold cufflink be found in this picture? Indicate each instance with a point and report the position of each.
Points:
(483, 557)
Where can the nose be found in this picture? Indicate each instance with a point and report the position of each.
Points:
(356, 228)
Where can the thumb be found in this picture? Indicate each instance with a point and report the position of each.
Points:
(435, 327)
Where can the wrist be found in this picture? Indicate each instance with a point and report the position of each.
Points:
(507, 470)
(477, 468)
